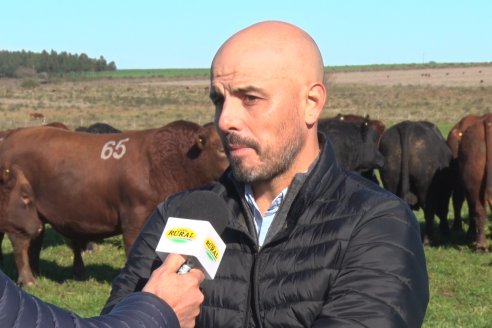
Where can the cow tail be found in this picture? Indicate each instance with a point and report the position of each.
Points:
(404, 172)
(487, 122)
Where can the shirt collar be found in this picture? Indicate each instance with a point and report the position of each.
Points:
(250, 198)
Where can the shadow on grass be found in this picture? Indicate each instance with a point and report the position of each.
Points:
(103, 273)
(457, 239)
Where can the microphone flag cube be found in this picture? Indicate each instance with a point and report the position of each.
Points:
(196, 239)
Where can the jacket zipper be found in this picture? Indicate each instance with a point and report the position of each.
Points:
(252, 290)
(253, 297)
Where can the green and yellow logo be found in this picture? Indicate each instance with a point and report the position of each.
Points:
(211, 250)
(180, 235)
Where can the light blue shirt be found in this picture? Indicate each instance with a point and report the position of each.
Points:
(263, 223)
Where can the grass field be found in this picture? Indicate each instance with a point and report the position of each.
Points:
(460, 280)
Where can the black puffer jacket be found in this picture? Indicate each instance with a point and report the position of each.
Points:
(19, 309)
(341, 252)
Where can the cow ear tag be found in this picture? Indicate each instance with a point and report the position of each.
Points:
(7, 178)
(5, 175)
(201, 142)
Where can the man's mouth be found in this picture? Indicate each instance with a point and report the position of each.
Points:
(236, 144)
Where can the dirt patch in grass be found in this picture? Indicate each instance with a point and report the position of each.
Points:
(451, 77)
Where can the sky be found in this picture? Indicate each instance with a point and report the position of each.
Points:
(186, 34)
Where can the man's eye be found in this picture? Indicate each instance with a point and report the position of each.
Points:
(250, 100)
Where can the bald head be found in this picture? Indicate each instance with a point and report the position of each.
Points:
(267, 87)
(282, 48)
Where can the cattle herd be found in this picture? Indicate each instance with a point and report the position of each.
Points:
(97, 181)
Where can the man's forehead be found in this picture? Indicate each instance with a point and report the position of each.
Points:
(248, 69)
(233, 80)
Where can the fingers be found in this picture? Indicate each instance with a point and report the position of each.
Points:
(174, 261)
(198, 274)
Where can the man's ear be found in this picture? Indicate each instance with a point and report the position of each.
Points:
(316, 99)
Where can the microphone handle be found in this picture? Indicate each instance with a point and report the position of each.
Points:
(186, 267)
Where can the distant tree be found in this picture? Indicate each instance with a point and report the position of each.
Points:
(112, 66)
(22, 63)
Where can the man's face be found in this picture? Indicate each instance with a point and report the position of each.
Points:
(257, 116)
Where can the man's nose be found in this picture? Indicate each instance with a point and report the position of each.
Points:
(228, 117)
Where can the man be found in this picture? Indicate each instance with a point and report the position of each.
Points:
(169, 300)
(308, 244)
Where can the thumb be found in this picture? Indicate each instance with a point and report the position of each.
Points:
(173, 262)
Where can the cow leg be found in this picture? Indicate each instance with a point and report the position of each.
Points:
(130, 229)
(35, 251)
(428, 238)
(78, 268)
(1, 251)
(481, 224)
(473, 210)
(471, 233)
(481, 245)
(444, 227)
(20, 244)
(458, 199)
(441, 210)
(479, 216)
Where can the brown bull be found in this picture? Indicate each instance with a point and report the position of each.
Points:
(92, 186)
(475, 168)
(454, 141)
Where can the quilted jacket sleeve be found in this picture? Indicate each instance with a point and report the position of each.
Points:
(383, 278)
(19, 309)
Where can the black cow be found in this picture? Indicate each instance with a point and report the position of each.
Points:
(377, 125)
(355, 144)
(100, 128)
(417, 169)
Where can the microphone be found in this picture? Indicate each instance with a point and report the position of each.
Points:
(195, 231)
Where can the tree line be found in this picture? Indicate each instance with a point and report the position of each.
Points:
(27, 63)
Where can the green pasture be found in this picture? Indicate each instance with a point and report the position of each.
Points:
(192, 73)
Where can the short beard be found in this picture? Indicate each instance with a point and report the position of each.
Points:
(272, 164)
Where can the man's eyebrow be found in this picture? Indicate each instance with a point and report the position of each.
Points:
(215, 93)
(247, 89)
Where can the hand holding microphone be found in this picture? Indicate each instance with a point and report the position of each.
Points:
(181, 293)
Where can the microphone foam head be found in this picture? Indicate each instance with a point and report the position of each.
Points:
(205, 205)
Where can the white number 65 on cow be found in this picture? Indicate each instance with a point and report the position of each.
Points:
(114, 149)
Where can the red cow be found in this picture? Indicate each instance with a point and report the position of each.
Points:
(92, 186)
(453, 141)
(475, 168)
